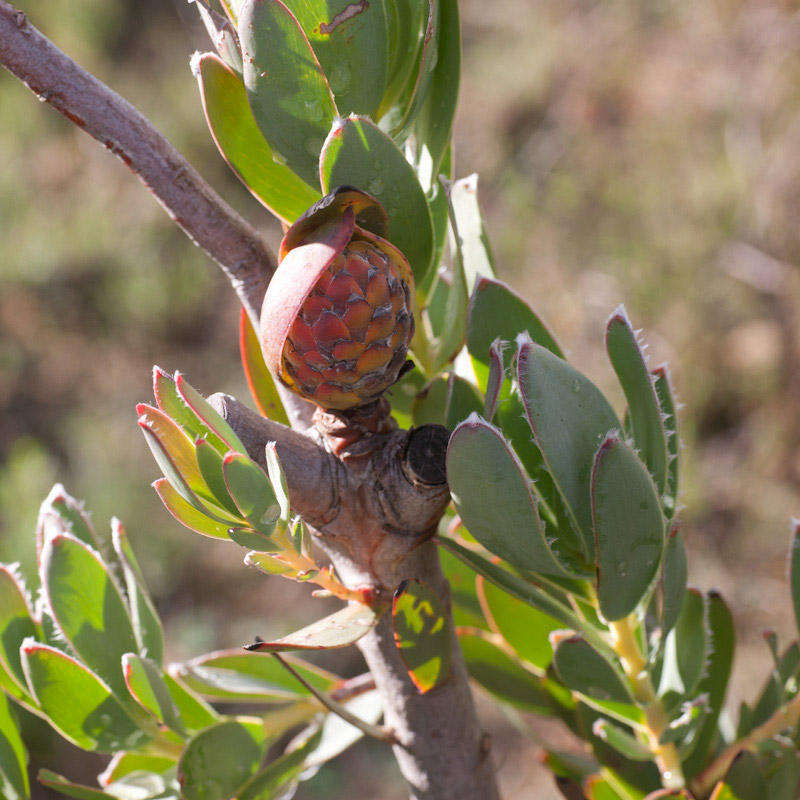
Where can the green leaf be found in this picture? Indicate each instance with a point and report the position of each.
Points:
(77, 703)
(715, 678)
(223, 36)
(209, 461)
(269, 564)
(16, 623)
(147, 686)
(569, 418)
(422, 633)
(251, 491)
(686, 647)
(242, 145)
(794, 570)
(187, 514)
(463, 595)
(195, 713)
(525, 591)
(497, 312)
(450, 294)
(745, 778)
(262, 386)
(284, 770)
(341, 629)
(622, 741)
(218, 761)
(221, 435)
(278, 480)
(674, 572)
(629, 528)
(494, 382)
(475, 249)
(252, 677)
(289, 94)
(146, 622)
(647, 425)
(14, 783)
(64, 786)
(71, 516)
(525, 628)
(445, 402)
(582, 669)
(357, 153)
(349, 40)
(432, 127)
(666, 402)
(406, 27)
(88, 608)
(123, 764)
(505, 678)
(497, 505)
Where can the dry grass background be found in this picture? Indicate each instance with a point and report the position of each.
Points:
(639, 152)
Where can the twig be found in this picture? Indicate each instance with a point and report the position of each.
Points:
(375, 731)
(202, 214)
(785, 717)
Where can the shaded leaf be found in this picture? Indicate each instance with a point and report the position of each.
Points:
(628, 525)
(422, 633)
(674, 573)
(496, 311)
(218, 761)
(497, 505)
(569, 418)
(666, 401)
(525, 628)
(16, 623)
(259, 380)
(66, 787)
(505, 678)
(445, 402)
(644, 411)
(195, 713)
(251, 491)
(582, 669)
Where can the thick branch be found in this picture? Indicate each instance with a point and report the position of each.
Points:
(202, 214)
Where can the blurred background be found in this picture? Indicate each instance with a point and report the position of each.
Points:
(639, 152)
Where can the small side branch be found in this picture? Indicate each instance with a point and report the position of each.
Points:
(202, 214)
(375, 731)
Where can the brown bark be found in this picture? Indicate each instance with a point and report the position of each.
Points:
(372, 502)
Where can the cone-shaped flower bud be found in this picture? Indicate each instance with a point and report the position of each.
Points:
(336, 320)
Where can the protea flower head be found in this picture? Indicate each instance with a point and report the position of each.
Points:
(337, 321)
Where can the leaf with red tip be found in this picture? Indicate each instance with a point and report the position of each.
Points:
(232, 675)
(77, 703)
(147, 686)
(175, 454)
(16, 624)
(187, 514)
(69, 516)
(423, 634)
(261, 384)
(341, 629)
(62, 785)
(222, 436)
(123, 764)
